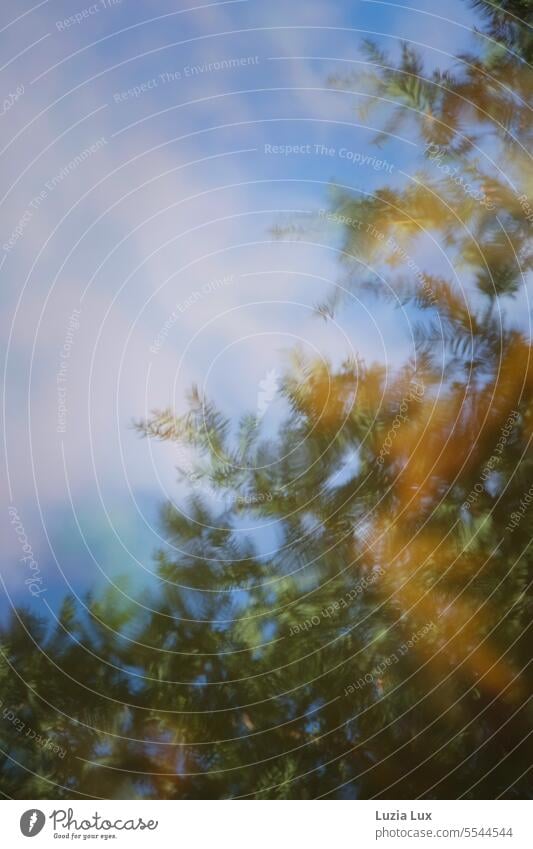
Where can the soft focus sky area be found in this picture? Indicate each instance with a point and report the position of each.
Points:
(170, 215)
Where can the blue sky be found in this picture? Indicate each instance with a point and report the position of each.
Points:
(168, 217)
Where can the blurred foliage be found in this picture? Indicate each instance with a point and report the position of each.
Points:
(238, 677)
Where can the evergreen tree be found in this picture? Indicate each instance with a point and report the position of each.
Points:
(381, 647)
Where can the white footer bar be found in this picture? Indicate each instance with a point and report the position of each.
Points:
(268, 824)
